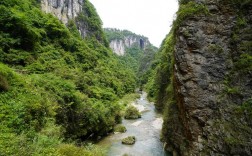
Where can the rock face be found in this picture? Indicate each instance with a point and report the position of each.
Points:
(118, 46)
(64, 10)
(120, 40)
(213, 82)
(81, 12)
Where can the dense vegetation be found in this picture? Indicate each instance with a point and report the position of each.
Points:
(55, 86)
(161, 76)
(91, 22)
(137, 58)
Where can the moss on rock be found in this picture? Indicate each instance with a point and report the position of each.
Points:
(130, 140)
(132, 113)
(120, 128)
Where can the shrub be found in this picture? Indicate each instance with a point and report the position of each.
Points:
(132, 113)
(128, 98)
(244, 64)
(120, 128)
(130, 140)
(189, 9)
(55, 74)
(72, 150)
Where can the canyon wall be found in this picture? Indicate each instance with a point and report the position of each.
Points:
(120, 40)
(209, 106)
(81, 12)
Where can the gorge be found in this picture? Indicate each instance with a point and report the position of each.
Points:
(63, 78)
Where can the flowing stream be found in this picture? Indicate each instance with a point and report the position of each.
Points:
(146, 130)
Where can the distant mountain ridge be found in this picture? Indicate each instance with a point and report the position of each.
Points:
(119, 40)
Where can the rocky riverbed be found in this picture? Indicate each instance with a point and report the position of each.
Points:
(146, 130)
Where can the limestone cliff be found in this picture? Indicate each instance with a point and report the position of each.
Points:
(209, 106)
(64, 10)
(82, 12)
(120, 40)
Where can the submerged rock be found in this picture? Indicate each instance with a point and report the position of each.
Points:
(130, 140)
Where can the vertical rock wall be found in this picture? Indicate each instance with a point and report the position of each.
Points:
(121, 40)
(213, 91)
(119, 45)
(64, 10)
(82, 12)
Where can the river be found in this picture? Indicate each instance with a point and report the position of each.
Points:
(146, 130)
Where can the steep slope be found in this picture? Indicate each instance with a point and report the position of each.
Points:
(121, 40)
(81, 12)
(134, 51)
(54, 85)
(203, 82)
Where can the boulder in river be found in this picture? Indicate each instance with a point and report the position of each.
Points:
(132, 113)
(130, 140)
(120, 128)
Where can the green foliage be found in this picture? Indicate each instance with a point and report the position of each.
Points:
(132, 58)
(130, 140)
(157, 85)
(241, 22)
(189, 9)
(231, 90)
(132, 112)
(116, 34)
(54, 85)
(120, 128)
(246, 108)
(47, 142)
(244, 64)
(215, 48)
(146, 62)
(128, 98)
(92, 23)
(30, 143)
(135, 58)
(22, 108)
(72, 150)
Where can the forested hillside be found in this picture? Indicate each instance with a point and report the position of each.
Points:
(55, 87)
(62, 75)
(134, 51)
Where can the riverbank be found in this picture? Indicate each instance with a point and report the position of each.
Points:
(146, 129)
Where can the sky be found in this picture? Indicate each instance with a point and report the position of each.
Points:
(149, 18)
